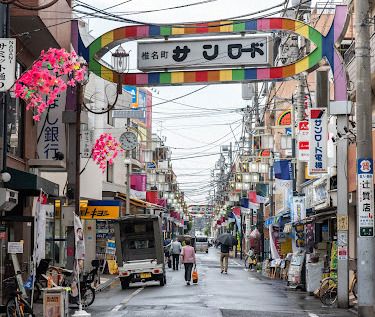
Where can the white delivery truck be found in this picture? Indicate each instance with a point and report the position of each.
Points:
(141, 257)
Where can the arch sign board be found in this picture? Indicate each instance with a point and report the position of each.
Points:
(246, 45)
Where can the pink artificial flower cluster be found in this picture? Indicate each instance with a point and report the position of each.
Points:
(105, 150)
(50, 75)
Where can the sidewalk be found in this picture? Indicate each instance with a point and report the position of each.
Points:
(280, 283)
(105, 281)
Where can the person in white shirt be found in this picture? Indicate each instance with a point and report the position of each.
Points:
(176, 248)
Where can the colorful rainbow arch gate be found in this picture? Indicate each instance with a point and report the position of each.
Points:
(324, 48)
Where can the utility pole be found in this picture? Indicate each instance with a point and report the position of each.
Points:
(365, 238)
(128, 167)
(300, 116)
(4, 22)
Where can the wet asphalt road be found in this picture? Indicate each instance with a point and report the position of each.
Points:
(240, 293)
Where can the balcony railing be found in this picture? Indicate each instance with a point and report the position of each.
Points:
(349, 59)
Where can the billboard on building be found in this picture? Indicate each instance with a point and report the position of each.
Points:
(318, 130)
(254, 50)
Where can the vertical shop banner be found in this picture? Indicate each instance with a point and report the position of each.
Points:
(303, 141)
(365, 191)
(298, 209)
(51, 130)
(79, 238)
(7, 63)
(40, 228)
(318, 130)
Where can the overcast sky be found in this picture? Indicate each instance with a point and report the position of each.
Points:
(195, 130)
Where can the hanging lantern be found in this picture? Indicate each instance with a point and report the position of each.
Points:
(253, 167)
(263, 168)
(246, 177)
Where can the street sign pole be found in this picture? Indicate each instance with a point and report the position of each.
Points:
(365, 210)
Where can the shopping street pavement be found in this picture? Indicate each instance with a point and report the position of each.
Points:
(240, 293)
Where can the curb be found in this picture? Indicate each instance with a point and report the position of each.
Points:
(106, 284)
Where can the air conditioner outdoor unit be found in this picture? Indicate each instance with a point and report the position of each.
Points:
(8, 199)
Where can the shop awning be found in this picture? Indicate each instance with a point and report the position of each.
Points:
(138, 202)
(30, 184)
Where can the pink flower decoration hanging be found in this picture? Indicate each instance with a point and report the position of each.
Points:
(44, 81)
(106, 149)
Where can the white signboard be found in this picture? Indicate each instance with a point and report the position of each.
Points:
(132, 114)
(51, 135)
(7, 63)
(298, 209)
(318, 127)
(205, 53)
(303, 141)
(15, 247)
(87, 143)
(365, 171)
(200, 209)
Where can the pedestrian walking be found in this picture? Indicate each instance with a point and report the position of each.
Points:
(176, 248)
(251, 258)
(188, 258)
(224, 258)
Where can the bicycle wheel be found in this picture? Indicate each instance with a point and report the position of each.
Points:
(12, 308)
(330, 297)
(325, 285)
(88, 297)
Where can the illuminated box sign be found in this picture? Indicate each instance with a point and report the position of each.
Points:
(205, 53)
(101, 209)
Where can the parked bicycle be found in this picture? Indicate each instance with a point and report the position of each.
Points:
(16, 306)
(40, 280)
(85, 285)
(328, 289)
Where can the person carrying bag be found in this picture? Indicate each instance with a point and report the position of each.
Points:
(188, 258)
(194, 275)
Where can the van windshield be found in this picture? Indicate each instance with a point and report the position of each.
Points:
(201, 239)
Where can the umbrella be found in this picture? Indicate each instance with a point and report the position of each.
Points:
(167, 242)
(227, 239)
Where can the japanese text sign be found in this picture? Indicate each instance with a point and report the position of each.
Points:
(205, 53)
(51, 130)
(100, 212)
(299, 209)
(7, 63)
(303, 141)
(318, 127)
(365, 183)
(87, 143)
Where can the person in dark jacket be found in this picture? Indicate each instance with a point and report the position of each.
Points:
(224, 258)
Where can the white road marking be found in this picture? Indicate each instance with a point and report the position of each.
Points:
(127, 299)
(313, 315)
(117, 308)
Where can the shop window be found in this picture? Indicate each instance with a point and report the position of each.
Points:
(15, 120)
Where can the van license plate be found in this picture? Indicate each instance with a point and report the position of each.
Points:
(145, 275)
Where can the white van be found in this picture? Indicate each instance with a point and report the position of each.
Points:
(201, 244)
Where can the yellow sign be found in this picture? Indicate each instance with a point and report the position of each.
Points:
(100, 212)
(112, 267)
(342, 223)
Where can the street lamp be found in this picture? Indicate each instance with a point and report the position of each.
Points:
(120, 63)
(120, 59)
